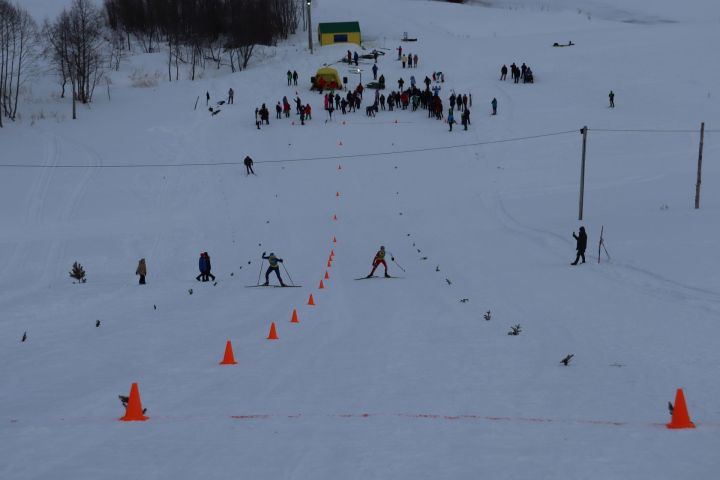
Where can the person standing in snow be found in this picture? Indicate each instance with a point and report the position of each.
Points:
(141, 271)
(308, 112)
(375, 70)
(503, 72)
(231, 96)
(415, 58)
(204, 267)
(207, 98)
(356, 57)
(410, 60)
(379, 260)
(451, 118)
(465, 118)
(295, 77)
(611, 96)
(278, 110)
(399, 49)
(581, 245)
(248, 165)
(289, 77)
(494, 105)
(273, 266)
(404, 60)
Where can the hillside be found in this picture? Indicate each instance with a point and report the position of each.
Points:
(400, 378)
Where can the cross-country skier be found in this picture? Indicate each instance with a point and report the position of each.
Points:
(581, 239)
(379, 260)
(248, 165)
(273, 267)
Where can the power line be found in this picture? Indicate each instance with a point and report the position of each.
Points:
(639, 130)
(304, 159)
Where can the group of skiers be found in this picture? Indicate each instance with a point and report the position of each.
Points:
(523, 73)
(379, 259)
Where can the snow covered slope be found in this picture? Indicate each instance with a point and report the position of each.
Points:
(394, 378)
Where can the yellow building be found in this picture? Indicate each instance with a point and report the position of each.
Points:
(339, 32)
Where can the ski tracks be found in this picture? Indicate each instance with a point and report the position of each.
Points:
(640, 279)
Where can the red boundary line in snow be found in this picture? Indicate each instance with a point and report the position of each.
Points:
(416, 416)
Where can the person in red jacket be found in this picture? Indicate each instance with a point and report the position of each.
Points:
(308, 112)
(379, 260)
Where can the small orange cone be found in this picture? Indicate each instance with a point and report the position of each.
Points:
(334, 217)
(326, 275)
(273, 333)
(329, 264)
(294, 317)
(334, 240)
(321, 285)
(229, 358)
(134, 410)
(680, 416)
(337, 194)
(311, 301)
(332, 252)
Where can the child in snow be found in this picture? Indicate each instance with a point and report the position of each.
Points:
(141, 271)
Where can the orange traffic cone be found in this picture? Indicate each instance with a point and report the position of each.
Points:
(273, 333)
(134, 410)
(329, 264)
(311, 301)
(334, 240)
(326, 275)
(321, 285)
(229, 358)
(294, 318)
(680, 416)
(334, 217)
(337, 194)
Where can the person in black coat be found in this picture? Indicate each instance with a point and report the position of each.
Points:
(248, 165)
(581, 239)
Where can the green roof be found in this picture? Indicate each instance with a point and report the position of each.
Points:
(339, 27)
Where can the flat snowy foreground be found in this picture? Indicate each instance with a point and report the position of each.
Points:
(381, 379)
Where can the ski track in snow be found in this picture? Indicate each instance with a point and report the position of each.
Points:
(643, 280)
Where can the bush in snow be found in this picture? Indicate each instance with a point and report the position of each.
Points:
(515, 330)
(142, 79)
(78, 273)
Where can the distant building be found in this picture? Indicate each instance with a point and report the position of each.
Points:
(339, 32)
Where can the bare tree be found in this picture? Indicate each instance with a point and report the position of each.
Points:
(18, 55)
(77, 44)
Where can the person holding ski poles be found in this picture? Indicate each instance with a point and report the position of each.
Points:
(274, 266)
(379, 260)
(204, 267)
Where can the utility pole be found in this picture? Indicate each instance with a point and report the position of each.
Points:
(583, 131)
(699, 172)
(310, 41)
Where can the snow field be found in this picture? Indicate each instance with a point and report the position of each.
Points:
(380, 379)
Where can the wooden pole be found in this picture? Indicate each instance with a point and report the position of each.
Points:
(699, 170)
(583, 131)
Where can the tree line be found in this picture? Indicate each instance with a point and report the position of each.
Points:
(196, 31)
(85, 40)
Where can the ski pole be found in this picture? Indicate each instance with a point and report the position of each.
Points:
(288, 273)
(392, 257)
(260, 272)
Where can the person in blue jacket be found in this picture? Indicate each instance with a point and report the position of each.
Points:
(204, 267)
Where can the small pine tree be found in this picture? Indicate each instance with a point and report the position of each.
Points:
(515, 330)
(78, 273)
